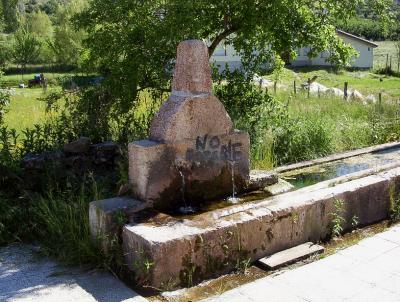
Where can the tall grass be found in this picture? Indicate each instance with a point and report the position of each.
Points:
(59, 222)
(62, 227)
(317, 127)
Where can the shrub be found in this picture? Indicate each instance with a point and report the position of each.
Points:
(4, 100)
(276, 137)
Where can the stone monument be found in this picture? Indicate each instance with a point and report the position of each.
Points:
(194, 153)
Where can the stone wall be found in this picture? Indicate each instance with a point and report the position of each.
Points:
(76, 159)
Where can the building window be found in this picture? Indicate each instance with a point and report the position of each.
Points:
(369, 48)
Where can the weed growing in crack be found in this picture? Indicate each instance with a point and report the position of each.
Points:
(394, 204)
(337, 218)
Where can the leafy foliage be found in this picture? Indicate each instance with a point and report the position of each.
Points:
(4, 100)
(337, 218)
(26, 48)
(134, 42)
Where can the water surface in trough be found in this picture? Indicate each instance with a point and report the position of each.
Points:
(301, 178)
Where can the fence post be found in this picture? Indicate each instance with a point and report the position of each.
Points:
(309, 87)
(275, 87)
(319, 93)
(346, 84)
(390, 65)
(387, 61)
(380, 102)
(294, 87)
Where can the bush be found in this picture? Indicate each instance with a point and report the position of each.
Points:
(276, 138)
(4, 100)
(14, 220)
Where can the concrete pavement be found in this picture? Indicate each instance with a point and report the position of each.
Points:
(367, 271)
(26, 277)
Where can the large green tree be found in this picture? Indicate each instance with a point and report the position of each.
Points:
(135, 40)
(66, 44)
(26, 48)
(10, 15)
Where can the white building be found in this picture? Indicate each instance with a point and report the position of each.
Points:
(226, 54)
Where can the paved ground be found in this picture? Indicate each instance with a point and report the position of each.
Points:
(368, 271)
(26, 277)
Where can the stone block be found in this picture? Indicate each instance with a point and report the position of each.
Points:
(260, 179)
(281, 186)
(81, 145)
(197, 170)
(103, 216)
(291, 255)
(187, 117)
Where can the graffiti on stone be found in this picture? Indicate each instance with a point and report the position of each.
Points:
(211, 148)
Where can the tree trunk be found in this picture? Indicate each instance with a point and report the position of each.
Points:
(219, 38)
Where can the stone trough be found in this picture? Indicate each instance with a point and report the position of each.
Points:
(193, 156)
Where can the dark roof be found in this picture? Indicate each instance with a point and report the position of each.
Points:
(343, 33)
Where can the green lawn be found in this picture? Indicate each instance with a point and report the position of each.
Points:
(25, 110)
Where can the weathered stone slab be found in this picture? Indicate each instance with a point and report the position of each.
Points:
(213, 242)
(187, 117)
(81, 145)
(281, 186)
(291, 255)
(103, 216)
(260, 179)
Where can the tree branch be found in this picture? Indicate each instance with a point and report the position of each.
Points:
(219, 38)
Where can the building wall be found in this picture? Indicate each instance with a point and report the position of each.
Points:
(366, 51)
(225, 55)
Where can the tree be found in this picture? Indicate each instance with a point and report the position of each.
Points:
(39, 24)
(41, 27)
(26, 48)
(66, 44)
(134, 42)
(9, 8)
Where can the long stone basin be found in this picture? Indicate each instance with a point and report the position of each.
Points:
(170, 252)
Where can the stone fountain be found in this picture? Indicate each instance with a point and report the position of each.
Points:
(193, 146)
(194, 156)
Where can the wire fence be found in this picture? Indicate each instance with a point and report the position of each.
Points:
(385, 61)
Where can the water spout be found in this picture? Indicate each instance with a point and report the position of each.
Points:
(186, 209)
(233, 199)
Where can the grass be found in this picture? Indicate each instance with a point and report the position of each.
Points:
(364, 81)
(380, 53)
(25, 109)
